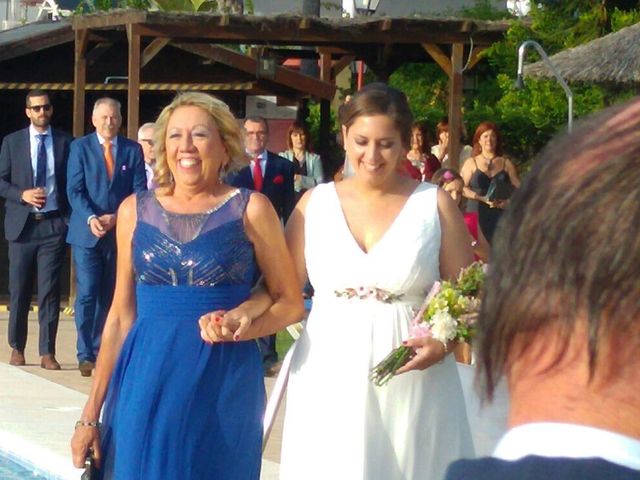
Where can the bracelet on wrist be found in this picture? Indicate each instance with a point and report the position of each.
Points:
(91, 423)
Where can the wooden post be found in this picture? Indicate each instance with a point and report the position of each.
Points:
(455, 105)
(133, 96)
(325, 106)
(79, 82)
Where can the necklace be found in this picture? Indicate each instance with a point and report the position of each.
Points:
(488, 160)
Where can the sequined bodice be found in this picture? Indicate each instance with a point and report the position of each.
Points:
(202, 250)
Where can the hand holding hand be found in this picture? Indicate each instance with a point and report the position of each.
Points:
(108, 221)
(428, 352)
(221, 326)
(35, 196)
(96, 227)
(85, 438)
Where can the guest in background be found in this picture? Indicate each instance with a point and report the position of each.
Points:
(451, 182)
(420, 155)
(307, 165)
(104, 168)
(33, 176)
(488, 169)
(560, 317)
(176, 408)
(441, 149)
(273, 176)
(145, 139)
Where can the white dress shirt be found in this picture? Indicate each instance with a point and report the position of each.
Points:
(50, 185)
(547, 439)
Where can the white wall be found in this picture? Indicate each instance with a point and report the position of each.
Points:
(13, 13)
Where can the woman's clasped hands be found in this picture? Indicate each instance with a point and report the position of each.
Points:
(224, 326)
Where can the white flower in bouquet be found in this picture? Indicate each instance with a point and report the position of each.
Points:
(443, 326)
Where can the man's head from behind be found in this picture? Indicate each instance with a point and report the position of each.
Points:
(145, 139)
(562, 300)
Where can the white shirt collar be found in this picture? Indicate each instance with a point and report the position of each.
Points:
(262, 156)
(33, 132)
(114, 140)
(547, 439)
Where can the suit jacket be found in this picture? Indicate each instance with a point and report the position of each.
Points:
(88, 186)
(16, 175)
(277, 183)
(315, 172)
(539, 468)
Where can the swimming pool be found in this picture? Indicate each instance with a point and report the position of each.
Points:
(12, 468)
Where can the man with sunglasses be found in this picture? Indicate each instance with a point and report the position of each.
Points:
(33, 164)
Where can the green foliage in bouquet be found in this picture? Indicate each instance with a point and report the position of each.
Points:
(448, 313)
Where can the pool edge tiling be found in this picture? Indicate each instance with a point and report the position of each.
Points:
(36, 422)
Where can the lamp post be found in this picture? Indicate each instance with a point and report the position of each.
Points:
(366, 7)
(556, 74)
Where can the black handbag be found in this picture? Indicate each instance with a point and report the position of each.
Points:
(89, 468)
(499, 189)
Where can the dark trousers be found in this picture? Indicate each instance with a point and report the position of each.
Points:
(267, 347)
(95, 282)
(39, 250)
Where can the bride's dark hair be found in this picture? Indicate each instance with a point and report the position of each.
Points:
(380, 99)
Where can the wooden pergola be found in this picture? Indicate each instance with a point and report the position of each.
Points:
(383, 44)
(233, 55)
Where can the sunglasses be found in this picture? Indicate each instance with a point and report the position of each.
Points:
(36, 108)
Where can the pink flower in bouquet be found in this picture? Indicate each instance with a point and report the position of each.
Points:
(419, 330)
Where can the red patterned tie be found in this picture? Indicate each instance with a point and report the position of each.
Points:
(257, 174)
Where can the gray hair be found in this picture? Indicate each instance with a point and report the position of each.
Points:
(146, 126)
(108, 101)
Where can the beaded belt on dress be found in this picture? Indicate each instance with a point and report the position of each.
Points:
(374, 293)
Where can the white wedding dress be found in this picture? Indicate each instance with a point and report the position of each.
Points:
(338, 425)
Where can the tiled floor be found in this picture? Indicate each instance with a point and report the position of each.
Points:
(39, 407)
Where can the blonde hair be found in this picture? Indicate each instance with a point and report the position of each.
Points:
(228, 128)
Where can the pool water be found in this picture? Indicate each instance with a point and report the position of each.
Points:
(12, 470)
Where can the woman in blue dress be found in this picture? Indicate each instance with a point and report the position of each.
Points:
(173, 406)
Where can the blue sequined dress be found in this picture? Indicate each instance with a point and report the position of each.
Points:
(176, 407)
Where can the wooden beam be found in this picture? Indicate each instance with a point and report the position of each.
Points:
(283, 76)
(79, 81)
(455, 105)
(341, 64)
(153, 49)
(325, 67)
(144, 87)
(133, 95)
(386, 24)
(96, 52)
(438, 55)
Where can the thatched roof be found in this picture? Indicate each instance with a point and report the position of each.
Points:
(614, 58)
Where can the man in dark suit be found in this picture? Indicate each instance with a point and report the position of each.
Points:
(561, 313)
(33, 164)
(104, 168)
(273, 176)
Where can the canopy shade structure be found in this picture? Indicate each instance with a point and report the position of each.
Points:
(612, 59)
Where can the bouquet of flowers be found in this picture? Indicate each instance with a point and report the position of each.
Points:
(448, 313)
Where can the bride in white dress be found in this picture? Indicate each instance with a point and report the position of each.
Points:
(379, 233)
